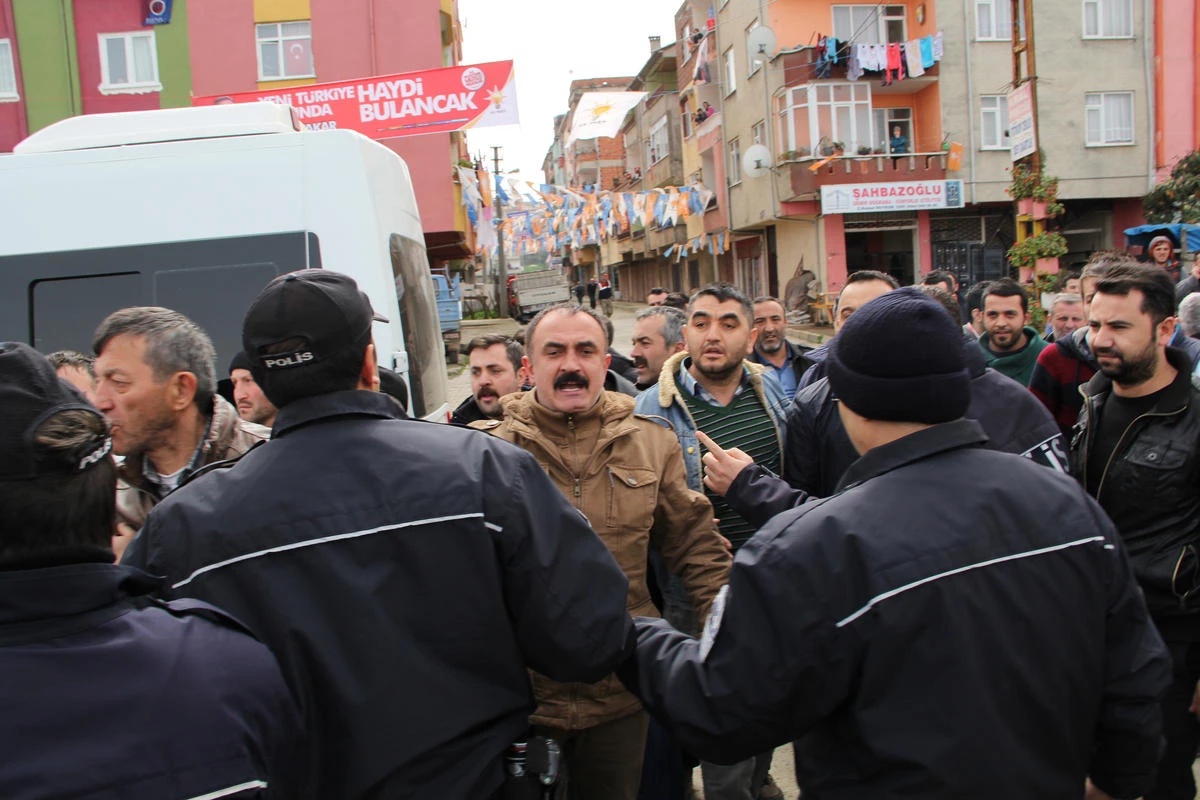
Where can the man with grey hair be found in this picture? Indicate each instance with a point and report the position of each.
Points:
(657, 335)
(1066, 315)
(156, 385)
(1189, 315)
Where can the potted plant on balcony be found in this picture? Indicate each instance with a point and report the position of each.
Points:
(1021, 188)
(864, 150)
(1038, 254)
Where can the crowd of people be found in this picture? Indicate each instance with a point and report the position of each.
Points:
(945, 554)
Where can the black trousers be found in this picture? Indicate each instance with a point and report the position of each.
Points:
(1180, 726)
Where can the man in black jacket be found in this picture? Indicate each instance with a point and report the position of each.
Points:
(772, 348)
(1136, 449)
(494, 361)
(954, 622)
(404, 573)
(107, 693)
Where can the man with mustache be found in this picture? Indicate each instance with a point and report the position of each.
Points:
(626, 475)
(785, 360)
(657, 335)
(1136, 449)
(714, 393)
(1009, 343)
(495, 364)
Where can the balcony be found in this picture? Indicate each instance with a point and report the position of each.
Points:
(805, 183)
(800, 68)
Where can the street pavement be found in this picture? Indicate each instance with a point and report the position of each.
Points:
(623, 313)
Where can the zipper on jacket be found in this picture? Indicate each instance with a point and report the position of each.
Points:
(575, 457)
(1121, 441)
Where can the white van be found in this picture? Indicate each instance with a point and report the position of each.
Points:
(196, 209)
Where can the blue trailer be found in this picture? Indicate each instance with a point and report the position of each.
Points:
(449, 306)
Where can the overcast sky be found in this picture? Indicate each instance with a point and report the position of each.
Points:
(552, 43)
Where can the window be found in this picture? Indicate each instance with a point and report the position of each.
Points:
(8, 73)
(735, 161)
(993, 20)
(993, 122)
(1109, 118)
(1107, 18)
(284, 50)
(128, 63)
(730, 73)
(865, 24)
(814, 116)
(754, 60)
(658, 145)
(686, 117)
(759, 133)
(888, 118)
(843, 114)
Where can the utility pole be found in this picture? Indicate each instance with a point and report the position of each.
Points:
(1025, 71)
(1023, 51)
(501, 265)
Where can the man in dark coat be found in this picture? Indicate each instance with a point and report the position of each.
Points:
(107, 693)
(954, 622)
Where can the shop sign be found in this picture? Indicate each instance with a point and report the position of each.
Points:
(1020, 121)
(862, 198)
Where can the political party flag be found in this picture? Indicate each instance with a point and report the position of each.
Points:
(600, 114)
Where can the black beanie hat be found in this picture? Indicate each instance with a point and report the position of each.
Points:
(899, 358)
(241, 361)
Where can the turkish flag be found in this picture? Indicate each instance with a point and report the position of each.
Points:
(297, 57)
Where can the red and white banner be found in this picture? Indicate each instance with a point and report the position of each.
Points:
(407, 104)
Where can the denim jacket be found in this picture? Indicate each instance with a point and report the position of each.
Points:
(665, 405)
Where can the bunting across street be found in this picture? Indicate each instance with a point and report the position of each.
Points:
(546, 218)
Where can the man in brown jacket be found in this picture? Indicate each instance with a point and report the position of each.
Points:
(156, 385)
(626, 475)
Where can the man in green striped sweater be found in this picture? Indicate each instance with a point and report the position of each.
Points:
(713, 389)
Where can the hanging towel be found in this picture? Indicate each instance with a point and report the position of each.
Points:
(912, 57)
(831, 49)
(938, 51)
(893, 63)
(927, 59)
(854, 69)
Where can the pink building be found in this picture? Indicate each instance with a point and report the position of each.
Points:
(1177, 91)
(273, 44)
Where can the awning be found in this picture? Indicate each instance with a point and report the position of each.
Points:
(1142, 234)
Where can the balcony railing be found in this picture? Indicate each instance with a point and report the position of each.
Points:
(805, 181)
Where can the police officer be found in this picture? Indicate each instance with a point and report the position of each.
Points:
(404, 573)
(953, 622)
(105, 692)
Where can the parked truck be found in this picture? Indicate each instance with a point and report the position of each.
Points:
(530, 292)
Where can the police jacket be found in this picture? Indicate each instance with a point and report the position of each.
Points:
(108, 695)
(1151, 490)
(404, 573)
(954, 623)
(819, 452)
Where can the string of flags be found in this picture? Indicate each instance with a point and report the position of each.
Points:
(546, 218)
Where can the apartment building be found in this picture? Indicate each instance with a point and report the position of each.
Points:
(858, 172)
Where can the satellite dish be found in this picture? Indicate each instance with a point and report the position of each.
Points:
(761, 41)
(756, 161)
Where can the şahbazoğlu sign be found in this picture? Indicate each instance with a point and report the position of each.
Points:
(861, 198)
(1021, 135)
(406, 104)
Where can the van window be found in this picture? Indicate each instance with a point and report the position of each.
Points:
(56, 300)
(419, 321)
